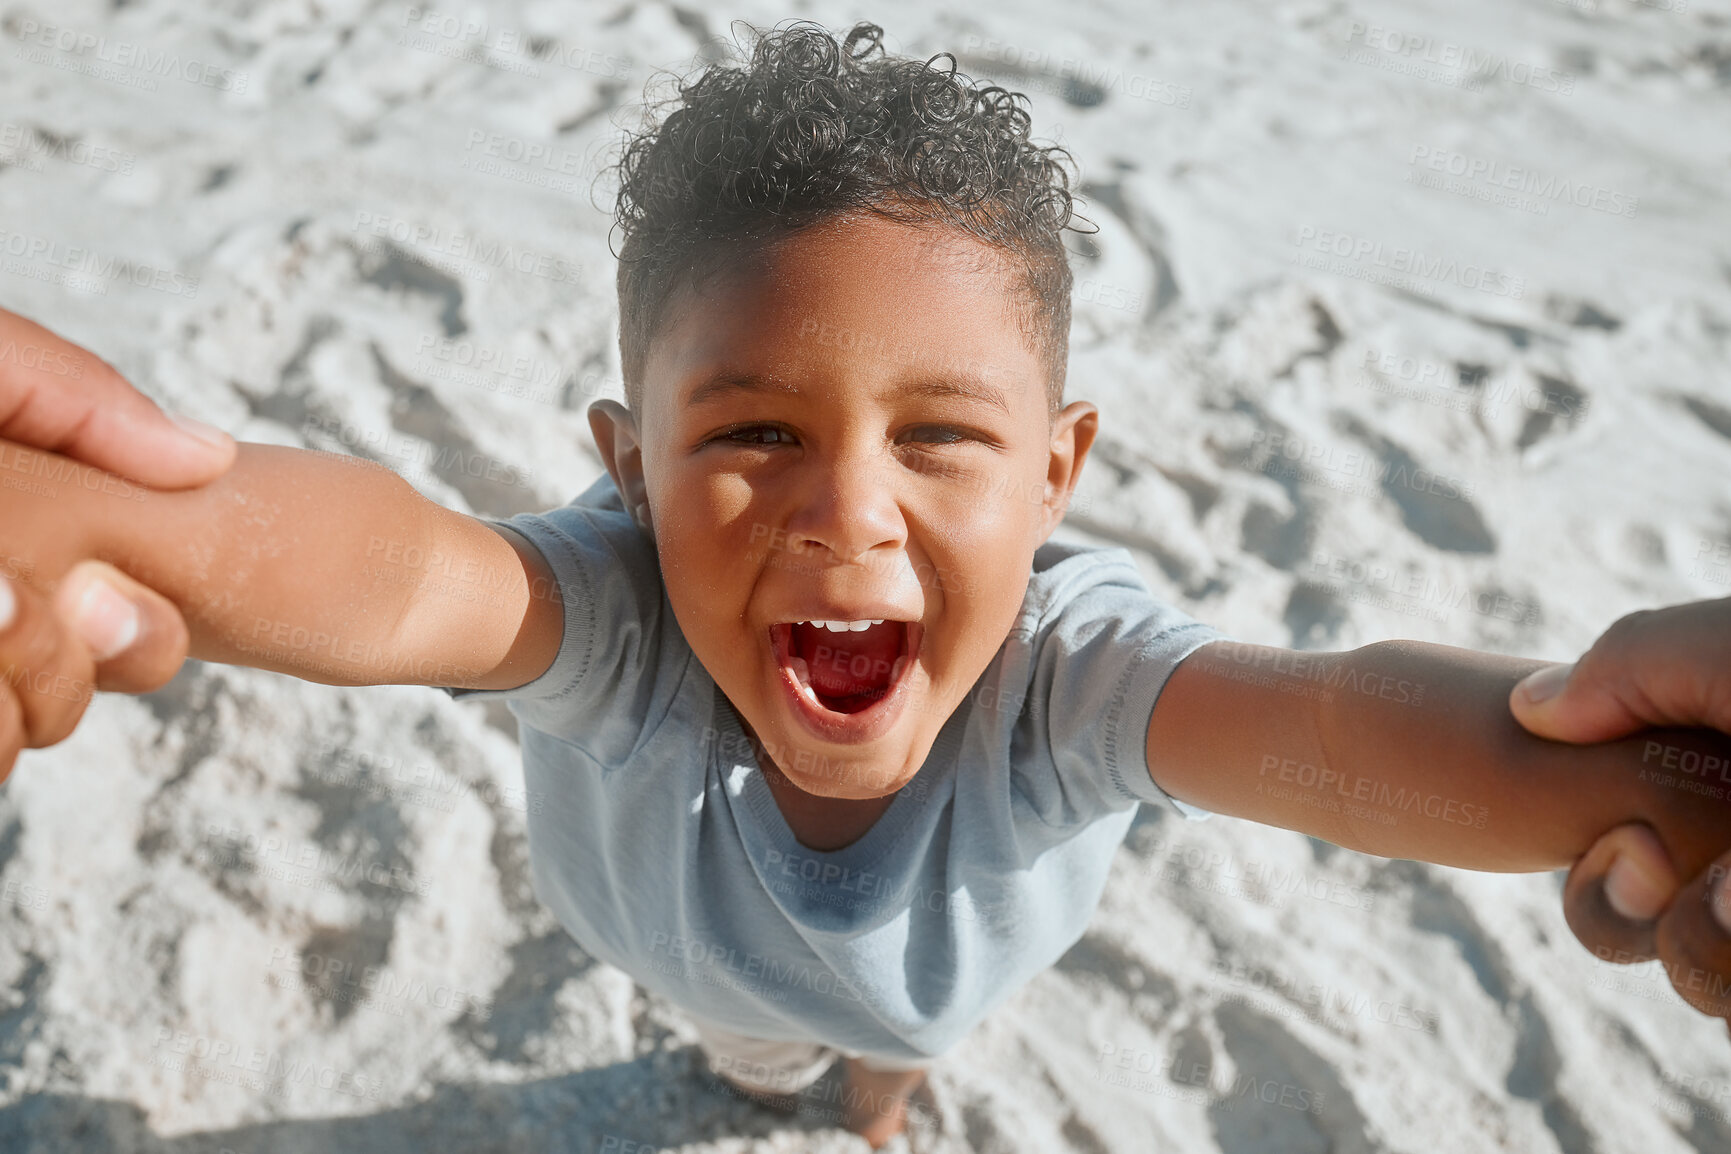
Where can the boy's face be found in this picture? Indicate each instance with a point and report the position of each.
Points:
(852, 427)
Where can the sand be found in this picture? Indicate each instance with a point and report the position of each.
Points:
(1390, 346)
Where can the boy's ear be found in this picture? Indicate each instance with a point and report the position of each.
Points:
(616, 437)
(1073, 432)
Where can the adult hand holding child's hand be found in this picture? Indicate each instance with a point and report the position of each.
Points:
(1624, 900)
(93, 627)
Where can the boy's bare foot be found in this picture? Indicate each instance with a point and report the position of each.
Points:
(876, 1101)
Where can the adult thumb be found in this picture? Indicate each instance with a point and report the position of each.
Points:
(70, 401)
(1552, 702)
(137, 636)
(1658, 667)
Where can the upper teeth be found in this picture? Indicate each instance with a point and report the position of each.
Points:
(845, 626)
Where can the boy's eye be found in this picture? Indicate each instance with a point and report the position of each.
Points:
(776, 435)
(939, 435)
(756, 435)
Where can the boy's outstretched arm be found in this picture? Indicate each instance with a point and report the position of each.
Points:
(1406, 749)
(327, 567)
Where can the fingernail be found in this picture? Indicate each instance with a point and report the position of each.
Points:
(209, 434)
(1722, 901)
(8, 603)
(106, 621)
(1543, 684)
(1633, 892)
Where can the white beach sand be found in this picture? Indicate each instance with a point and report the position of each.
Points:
(253, 914)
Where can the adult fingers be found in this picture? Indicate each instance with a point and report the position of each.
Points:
(46, 674)
(1694, 939)
(1669, 666)
(56, 396)
(137, 637)
(1616, 891)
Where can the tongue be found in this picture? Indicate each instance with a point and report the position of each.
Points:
(847, 664)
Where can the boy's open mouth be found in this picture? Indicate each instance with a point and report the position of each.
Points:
(843, 667)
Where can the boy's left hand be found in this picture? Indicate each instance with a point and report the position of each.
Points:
(1666, 667)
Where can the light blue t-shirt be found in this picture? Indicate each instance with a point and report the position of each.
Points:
(656, 842)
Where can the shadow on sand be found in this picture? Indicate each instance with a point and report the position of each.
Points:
(660, 1101)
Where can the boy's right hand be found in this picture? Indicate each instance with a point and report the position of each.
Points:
(101, 628)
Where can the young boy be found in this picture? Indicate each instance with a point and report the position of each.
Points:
(833, 748)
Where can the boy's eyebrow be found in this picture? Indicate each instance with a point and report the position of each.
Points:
(964, 385)
(726, 383)
(961, 384)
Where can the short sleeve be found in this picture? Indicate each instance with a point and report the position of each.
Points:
(1106, 647)
(618, 628)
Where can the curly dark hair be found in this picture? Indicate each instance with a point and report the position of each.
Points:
(808, 129)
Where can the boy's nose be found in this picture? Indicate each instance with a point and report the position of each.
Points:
(846, 507)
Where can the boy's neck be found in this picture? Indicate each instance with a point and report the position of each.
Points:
(824, 824)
